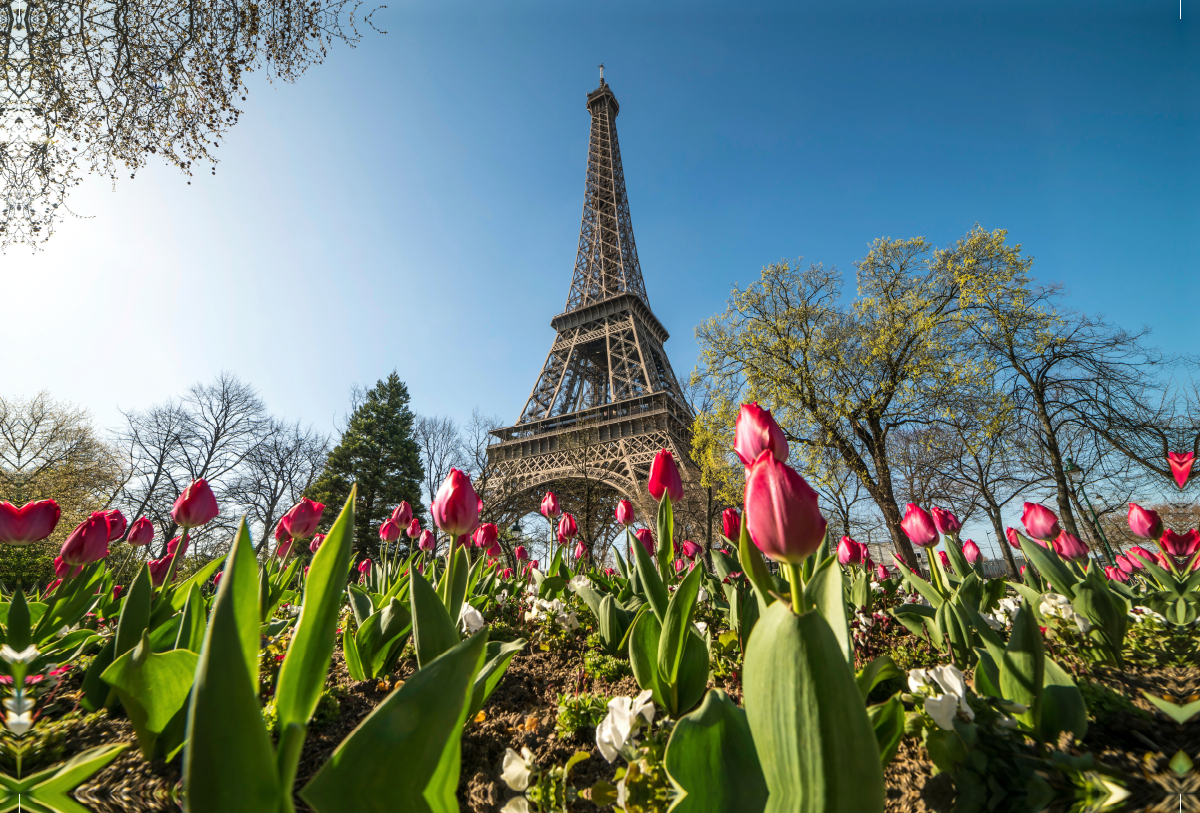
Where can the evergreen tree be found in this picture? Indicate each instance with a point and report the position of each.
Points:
(377, 450)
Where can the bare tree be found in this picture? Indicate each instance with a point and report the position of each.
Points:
(441, 449)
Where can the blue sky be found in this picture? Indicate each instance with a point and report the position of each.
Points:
(414, 203)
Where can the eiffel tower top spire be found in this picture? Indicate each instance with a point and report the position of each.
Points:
(606, 264)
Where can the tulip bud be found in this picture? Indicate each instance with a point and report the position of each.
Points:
(303, 518)
(691, 550)
(664, 478)
(173, 547)
(364, 567)
(117, 589)
(389, 531)
(30, 523)
(731, 524)
(1181, 466)
(116, 524)
(848, 552)
(550, 508)
(315, 545)
(580, 550)
(1116, 574)
(918, 526)
(414, 529)
(971, 551)
(1040, 522)
(494, 550)
(403, 514)
(284, 548)
(427, 542)
(533, 564)
(1144, 523)
(141, 532)
(881, 572)
(62, 569)
(507, 574)
(755, 432)
(1023, 570)
(485, 535)
(1138, 555)
(1125, 563)
(217, 578)
(87, 543)
(567, 529)
(945, 560)
(1013, 538)
(521, 553)
(608, 571)
(782, 515)
(159, 569)
(52, 586)
(625, 513)
(1069, 546)
(644, 536)
(945, 521)
(196, 506)
(456, 509)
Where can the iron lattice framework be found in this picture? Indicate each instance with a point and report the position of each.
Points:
(607, 399)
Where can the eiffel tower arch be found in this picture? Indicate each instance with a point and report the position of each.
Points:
(606, 399)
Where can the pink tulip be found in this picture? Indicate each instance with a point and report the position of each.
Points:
(494, 550)
(971, 551)
(1179, 545)
(389, 531)
(315, 545)
(403, 514)
(580, 550)
(945, 521)
(1126, 564)
(550, 508)
(30, 523)
(918, 526)
(625, 513)
(306, 567)
(664, 478)
(848, 552)
(1069, 546)
(456, 509)
(117, 589)
(782, 515)
(196, 506)
(427, 542)
(1040, 522)
(608, 571)
(1014, 538)
(1023, 570)
(62, 569)
(866, 554)
(1144, 523)
(116, 524)
(731, 524)
(521, 553)
(414, 529)
(159, 568)
(485, 535)
(945, 560)
(1181, 466)
(1116, 574)
(217, 578)
(644, 536)
(364, 567)
(678, 566)
(691, 550)
(52, 586)
(507, 574)
(173, 547)
(284, 548)
(141, 532)
(1138, 555)
(567, 529)
(755, 432)
(881, 572)
(88, 543)
(303, 518)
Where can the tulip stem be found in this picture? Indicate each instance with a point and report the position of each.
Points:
(796, 585)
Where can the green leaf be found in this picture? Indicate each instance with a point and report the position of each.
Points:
(495, 664)
(382, 637)
(199, 578)
(666, 536)
(458, 586)
(1051, 566)
(302, 675)
(228, 763)
(711, 760)
(406, 755)
(680, 609)
(614, 621)
(191, 626)
(434, 632)
(350, 653)
(987, 673)
(888, 722)
(135, 615)
(814, 739)
(652, 582)
(1022, 671)
(1063, 707)
(95, 691)
(1180, 714)
(643, 656)
(756, 569)
(20, 628)
(874, 673)
(53, 788)
(360, 603)
(921, 586)
(152, 688)
(825, 592)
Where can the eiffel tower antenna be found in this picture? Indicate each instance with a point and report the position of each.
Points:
(607, 372)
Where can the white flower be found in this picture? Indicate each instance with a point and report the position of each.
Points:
(992, 621)
(942, 709)
(918, 679)
(1008, 606)
(622, 722)
(877, 587)
(19, 723)
(702, 595)
(864, 621)
(502, 599)
(952, 683)
(1081, 622)
(517, 804)
(702, 626)
(578, 582)
(517, 768)
(470, 619)
(571, 621)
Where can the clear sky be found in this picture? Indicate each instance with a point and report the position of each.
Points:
(414, 203)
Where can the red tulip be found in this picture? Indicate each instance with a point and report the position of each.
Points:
(731, 524)
(945, 521)
(608, 571)
(117, 591)
(755, 432)
(88, 543)
(217, 578)
(1013, 538)
(881, 572)
(1144, 523)
(52, 586)
(664, 478)
(848, 552)
(403, 514)
(971, 551)
(1023, 570)
(62, 569)
(678, 565)
(427, 542)
(782, 515)
(284, 548)
(550, 508)
(1040, 522)
(389, 531)
(456, 508)
(414, 529)
(1126, 564)
(315, 545)
(116, 524)
(196, 506)
(625, 513)
(485, 535)
(159, 568)
(1181, 466)
(173, 547)
(1116, 574)
(494, 550)
(30, 523)
(303, 518)
(1177, 544)
(1069, 546)
(364, 567)
(580, 550)
(918, 526)
(521, 553)
(141, 532)
(866, 553)
(691, 550)
(533, 564)
(567, 529)
(944, 559)
(1138, 555)
(644, 536)
(507, 574)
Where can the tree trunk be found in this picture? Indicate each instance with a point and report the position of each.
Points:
(993, 513)
(1062, 493)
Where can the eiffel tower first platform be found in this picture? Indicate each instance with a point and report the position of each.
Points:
(606, 383)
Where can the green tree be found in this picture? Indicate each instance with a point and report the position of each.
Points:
(377, 451)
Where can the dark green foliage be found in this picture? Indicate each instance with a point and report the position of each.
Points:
(378, 452)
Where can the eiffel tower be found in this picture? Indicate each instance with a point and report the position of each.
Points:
(606, 400)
